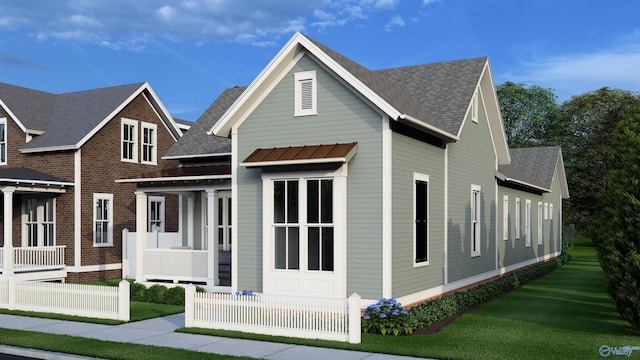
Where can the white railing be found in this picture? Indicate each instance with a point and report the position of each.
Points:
(38, 258)
(176, 264)
(311, 318)
(104, 302)
(1, 258)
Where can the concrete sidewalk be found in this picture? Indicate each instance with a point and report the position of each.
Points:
(161, 332)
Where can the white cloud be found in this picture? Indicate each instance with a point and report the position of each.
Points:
(395, 21)
(576, 74)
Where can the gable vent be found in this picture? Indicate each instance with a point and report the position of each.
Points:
(306, 94)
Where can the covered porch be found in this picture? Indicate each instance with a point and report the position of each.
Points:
(201, 250)
(29, 203)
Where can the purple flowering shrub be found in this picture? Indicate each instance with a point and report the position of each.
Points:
(386, 317)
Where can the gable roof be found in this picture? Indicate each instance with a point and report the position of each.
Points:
(432, 97)
(537, 166)
(66, 121)
(197, 142)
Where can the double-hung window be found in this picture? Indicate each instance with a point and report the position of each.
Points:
(149, 140)
(156, 213)
(505, 217)
(103, 219)
(38, 216)
(305, 93)
(3, 141)
(303, 224)
(129, 151)
(421, 219)
(517, 220)
(476, 219)
(540, 222)
(527, 223)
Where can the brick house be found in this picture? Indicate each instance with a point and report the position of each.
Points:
(60, 154)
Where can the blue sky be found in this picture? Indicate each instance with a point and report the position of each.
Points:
(191, 50)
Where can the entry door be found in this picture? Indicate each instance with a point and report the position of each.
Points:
(38, 216)
(223, 223)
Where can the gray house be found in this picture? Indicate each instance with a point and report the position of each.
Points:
(389, 183)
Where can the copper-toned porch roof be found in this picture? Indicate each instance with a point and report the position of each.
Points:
(307, 154)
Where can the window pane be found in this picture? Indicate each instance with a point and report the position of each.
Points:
(313, 256)
(281, 248)
(292, 201)
(327, 249)
(221, 236)
(220, 217)
(421, 221)
(313, 197)
(327, 201)
(278, 202)
(229, 210)
(294, 246)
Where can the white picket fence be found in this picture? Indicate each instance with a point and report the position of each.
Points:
(311, 318)
(103, 302)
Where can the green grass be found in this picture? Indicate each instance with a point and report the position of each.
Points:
(139, 311)
(564, 315)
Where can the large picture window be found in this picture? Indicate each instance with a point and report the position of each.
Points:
(303, 224)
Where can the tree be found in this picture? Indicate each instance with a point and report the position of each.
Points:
(527, 112)
(585, 130)
(616, 223)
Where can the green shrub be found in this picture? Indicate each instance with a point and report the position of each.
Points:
(156, 294)
(138, 292)
(175, 296)
(387, 317)
(438, 309)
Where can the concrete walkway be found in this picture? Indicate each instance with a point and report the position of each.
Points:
(161, 332)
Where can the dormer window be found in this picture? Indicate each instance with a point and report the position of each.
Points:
(305, 93)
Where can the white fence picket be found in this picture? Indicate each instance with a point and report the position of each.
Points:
(329, 319)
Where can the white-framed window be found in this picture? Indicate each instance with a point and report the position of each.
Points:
(305, 93)
(224, 221)
(303, 210)
(102, 219)
(527, 223)
(546, 211)
(3, 141)
(476, 219)
(540, 222)
(550, 211)
(156, 213)
(517, 221)
(148, 137)
(505, 217)
(129, 140)
(474, 107)
(421, 219)
(38, 221)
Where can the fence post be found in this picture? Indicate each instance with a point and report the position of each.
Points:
(189, 305)
(355, 325)
(124, 295)
(13, 293)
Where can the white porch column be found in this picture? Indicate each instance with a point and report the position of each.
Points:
(141, 233)
(190, 217)
(212, 238)
(8, 230)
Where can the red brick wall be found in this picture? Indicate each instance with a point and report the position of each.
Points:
(101, 166)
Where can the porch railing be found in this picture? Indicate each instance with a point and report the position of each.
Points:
(38, 258)
(175, 264)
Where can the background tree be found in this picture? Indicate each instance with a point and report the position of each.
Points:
(616, 223)
(585, 129)
(527, 113)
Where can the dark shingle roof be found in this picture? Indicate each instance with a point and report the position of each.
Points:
(537, 163)
(196, 141)
(20, 175)
(66, 118)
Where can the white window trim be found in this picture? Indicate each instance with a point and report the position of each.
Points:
(3, 121)
(134, 136)
(517, 222)
(550, 211)
(424, 178)
(476, 212)
(505, 217)
(527, 223)
(546, 211)
(154, 153)
(299, 77)
(96, 197)
(39, 221)
(161, 200)
(540, 223)
(305, 282)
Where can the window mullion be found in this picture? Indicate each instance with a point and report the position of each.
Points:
(303, 226)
